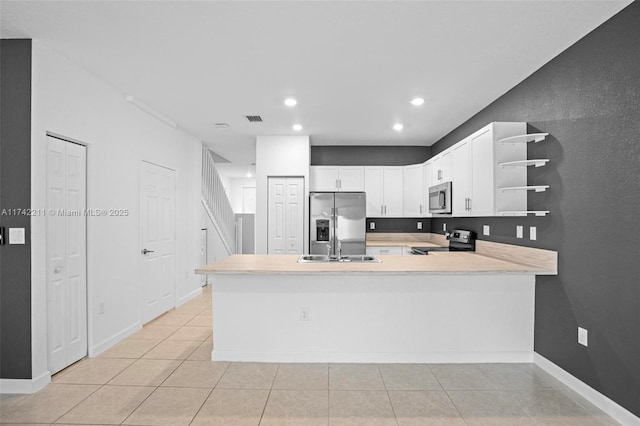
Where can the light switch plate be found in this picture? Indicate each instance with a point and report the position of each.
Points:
(372, 225)
(485, 230)
(519, 231)
(444, 227)
(16, 236)
(419, 225)
(533, 234)
(583, 336)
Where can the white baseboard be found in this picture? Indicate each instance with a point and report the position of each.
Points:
(184, 299)
(112, 340)
(371, 357)
(613, 409)
(25, 385)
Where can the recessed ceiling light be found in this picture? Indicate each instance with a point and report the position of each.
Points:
(417, 101)
(222, 125)
(297, 127)
(398, 127)
(290, 102)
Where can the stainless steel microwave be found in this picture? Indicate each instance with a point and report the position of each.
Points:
(440, 198)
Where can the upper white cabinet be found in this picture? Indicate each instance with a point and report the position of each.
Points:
(414, 191)
(477, 178)
(461, 178)
(488, 171)
(384, 188)
(442, 168)
(336, 178)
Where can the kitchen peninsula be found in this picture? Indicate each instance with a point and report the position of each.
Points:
(444, 307)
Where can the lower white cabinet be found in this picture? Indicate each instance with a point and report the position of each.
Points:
(377, 250)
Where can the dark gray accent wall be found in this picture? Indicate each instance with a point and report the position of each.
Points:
(398, 224)
(15, 193)
(370, 155)
(588, 99)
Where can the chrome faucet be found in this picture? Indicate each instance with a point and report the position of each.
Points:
(328, 250)
(339, 249)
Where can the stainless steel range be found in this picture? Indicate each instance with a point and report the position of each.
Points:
(459, 240)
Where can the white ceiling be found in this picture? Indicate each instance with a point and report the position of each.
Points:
(353, 66)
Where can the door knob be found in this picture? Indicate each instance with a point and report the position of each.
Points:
(57, 270)
(145, 251)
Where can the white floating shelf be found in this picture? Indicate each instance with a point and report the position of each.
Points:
(525, 163)
(537, 188)
(524, 213)
(532, 137)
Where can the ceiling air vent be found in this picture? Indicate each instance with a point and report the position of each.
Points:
(254, 118)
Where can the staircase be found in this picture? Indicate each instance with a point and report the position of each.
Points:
(216, 203)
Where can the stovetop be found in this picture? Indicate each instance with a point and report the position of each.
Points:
(459, 240)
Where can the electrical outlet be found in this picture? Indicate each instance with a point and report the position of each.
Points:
(485, 230)
(304, 314)
(419, 225)
(444, 227)
(372, 225)
(101, 308)
(533, 234)
(583, 336)
(519, 230)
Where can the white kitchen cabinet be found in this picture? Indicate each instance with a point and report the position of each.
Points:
(378, 250)
(384, 189)
(461, 178)
(336, 178)
(478, 181)
(414, 191)
(442, 167)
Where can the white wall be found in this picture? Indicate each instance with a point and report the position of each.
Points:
(236, 192)
(279, 156)
(72, 102)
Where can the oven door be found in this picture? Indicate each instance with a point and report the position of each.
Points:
(440, 198)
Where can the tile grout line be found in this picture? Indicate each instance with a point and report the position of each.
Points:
(447, 394)
(393, 410)
(209, 394)
(160, 384)
(79, 402)
(269, 394)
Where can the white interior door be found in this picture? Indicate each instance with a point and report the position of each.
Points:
(66, 253)
(285, 215)
(157, 249)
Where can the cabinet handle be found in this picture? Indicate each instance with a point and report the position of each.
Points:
(420, 208)
(337, 184)
(340, 183)
(381, 209)
(385, 209)
(466, 204)
(469, 204)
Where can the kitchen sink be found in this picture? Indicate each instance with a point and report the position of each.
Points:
(319, 258)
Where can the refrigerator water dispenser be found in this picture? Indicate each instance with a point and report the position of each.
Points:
(322, 230)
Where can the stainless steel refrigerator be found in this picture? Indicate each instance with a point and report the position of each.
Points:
(337, 221)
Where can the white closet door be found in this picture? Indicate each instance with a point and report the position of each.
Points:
(66, 253)
(295, 215)
(276, 216)
(285, 215)
(157, 221)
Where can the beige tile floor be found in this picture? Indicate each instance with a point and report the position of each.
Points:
(162, 375)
